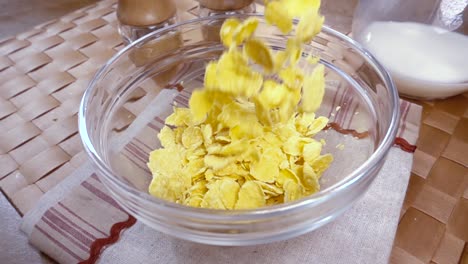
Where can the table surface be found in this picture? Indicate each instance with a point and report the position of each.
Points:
(44, 71)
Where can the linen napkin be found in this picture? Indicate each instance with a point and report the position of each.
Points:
(78, 221)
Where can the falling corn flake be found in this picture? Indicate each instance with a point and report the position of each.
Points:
(246, 140)
(340, 146)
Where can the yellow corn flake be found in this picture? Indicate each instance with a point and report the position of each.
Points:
(303, 122)
(299, 8)
(244, 142)
(295, 144)
(292, 191)
(216, 162)
(271, 138)
(159, 163)
(180, 117)
(265, 169)
(229, 189)
(284, 164)
(274, 153)
(286, 175)
(311, 151)
(227, 31)
(234, 170)
(257, 51)
(192, 137)
(161, 188)
(245, 30)
(236, 147)
(252, 154)
(287, 107)
(231, 60)
(270, 189)
(250, 196)
(293, 49)
(168, 180)
(236, 77)
(310, 178)
(209, 175)
(213, 198)
(317, 125)
(312, 59)
(321, 163)
(235, 113)
(194, 195)
(314, 89)
(195, 153)
(211, 81)
(195, 167)
(292, 76)
(214, 149)
(285, 131)
(246, 130)
(200, 103)
(167, 137)
(272, 94)
(222, 137)
(207, 132)
(279, 60)
(178, 134)
(309, 25)
(276, 14)
(275, 200)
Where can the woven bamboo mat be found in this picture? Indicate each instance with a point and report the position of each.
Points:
(434, 222)
(43, 73)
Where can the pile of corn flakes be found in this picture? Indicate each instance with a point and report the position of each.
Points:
(246, 140)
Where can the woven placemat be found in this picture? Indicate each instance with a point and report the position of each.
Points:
(43, 73)
(434, 221)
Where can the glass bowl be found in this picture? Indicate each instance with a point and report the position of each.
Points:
(128, 99)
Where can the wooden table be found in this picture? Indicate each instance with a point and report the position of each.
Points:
(44, 71)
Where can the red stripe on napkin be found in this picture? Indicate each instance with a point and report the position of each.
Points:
(99, 244)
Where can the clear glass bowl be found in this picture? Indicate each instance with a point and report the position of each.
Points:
(128, 99)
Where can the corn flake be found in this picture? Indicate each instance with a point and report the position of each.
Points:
(276, 14)
(313, 90)
(292, 191)
(227, 31)
(311, 151)
(245, 30)
(200, 103)
(257, 51)
(266, 169)
(317, 125)
(310, 178)
(192, 137)
(180, 117)
(250, 196)
(321, 163)
(167, 137)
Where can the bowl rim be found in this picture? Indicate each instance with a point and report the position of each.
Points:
(354, 178)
